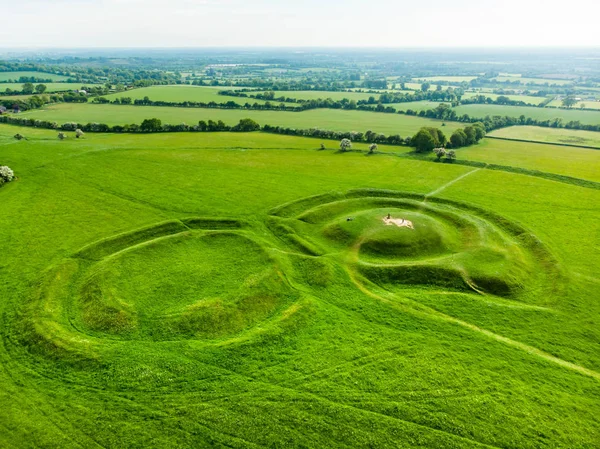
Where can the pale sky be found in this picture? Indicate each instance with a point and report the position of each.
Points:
(299, 23)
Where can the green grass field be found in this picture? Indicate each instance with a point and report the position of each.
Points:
(6, 76)
(550, 135)
(450, 79)
(588, 104)
(316, 94)
(525, 80)
(50, 87)
(481, 110)
(576, 162)
(415, 105)
(180, 94)
(526, 98)
(337, 120)
(243, 290)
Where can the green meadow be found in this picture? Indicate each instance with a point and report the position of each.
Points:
(525, 80)
(6, 76)
(450, 79)
(481, 110)
(50, 87)
(526, 98)
(182, 93)
(246, 290)
(317, 94)
(331, 119)
(550, 135)
(576, 162)
(587, 104)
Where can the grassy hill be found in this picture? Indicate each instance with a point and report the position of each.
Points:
(243, 290)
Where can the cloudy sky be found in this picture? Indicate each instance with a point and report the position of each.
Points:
(304, 23)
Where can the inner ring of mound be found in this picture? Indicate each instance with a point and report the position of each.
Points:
(207, 284)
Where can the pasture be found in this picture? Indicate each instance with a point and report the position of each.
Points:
(587, 104)
(182, 93)
(580, 163)
(50, 87)
(332, 119)
(14, 76)
(316, 94)
(481, 110)
(550, 135)
(535, 81)
(526, 98)
(449, 79)
(242, 290)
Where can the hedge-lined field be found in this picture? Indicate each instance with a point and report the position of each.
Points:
(332, 119)
(550, 135)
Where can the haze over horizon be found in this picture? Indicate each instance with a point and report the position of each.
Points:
(267, 23)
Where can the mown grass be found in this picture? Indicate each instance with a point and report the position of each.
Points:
(339, 361)
(550, 135)
(331, 119)
(567, 115)
(576, 162)
(526, 98)
(181, 93)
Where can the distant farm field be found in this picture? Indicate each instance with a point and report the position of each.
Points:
(415, 105)
(332, 119)
(550, 135)
(317, 94)
(541, 81)
(481, 110)
(5, 76)
(182, 93)
(526, 98)
(587, 104)
(576, 162)
(450, 79)
(50, 87)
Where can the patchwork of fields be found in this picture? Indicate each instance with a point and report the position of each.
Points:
(290, 314)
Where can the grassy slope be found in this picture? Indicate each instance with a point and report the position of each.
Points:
(550, 135)
(320, 118)
(575, 162)
(481, 110)
(354, 372)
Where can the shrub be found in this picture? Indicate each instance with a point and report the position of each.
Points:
(450, 155)
(6, 174)
(439, 153)
(62, 136)
(19, 137)
(79, 133)
(345, 144)
(373, 147)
